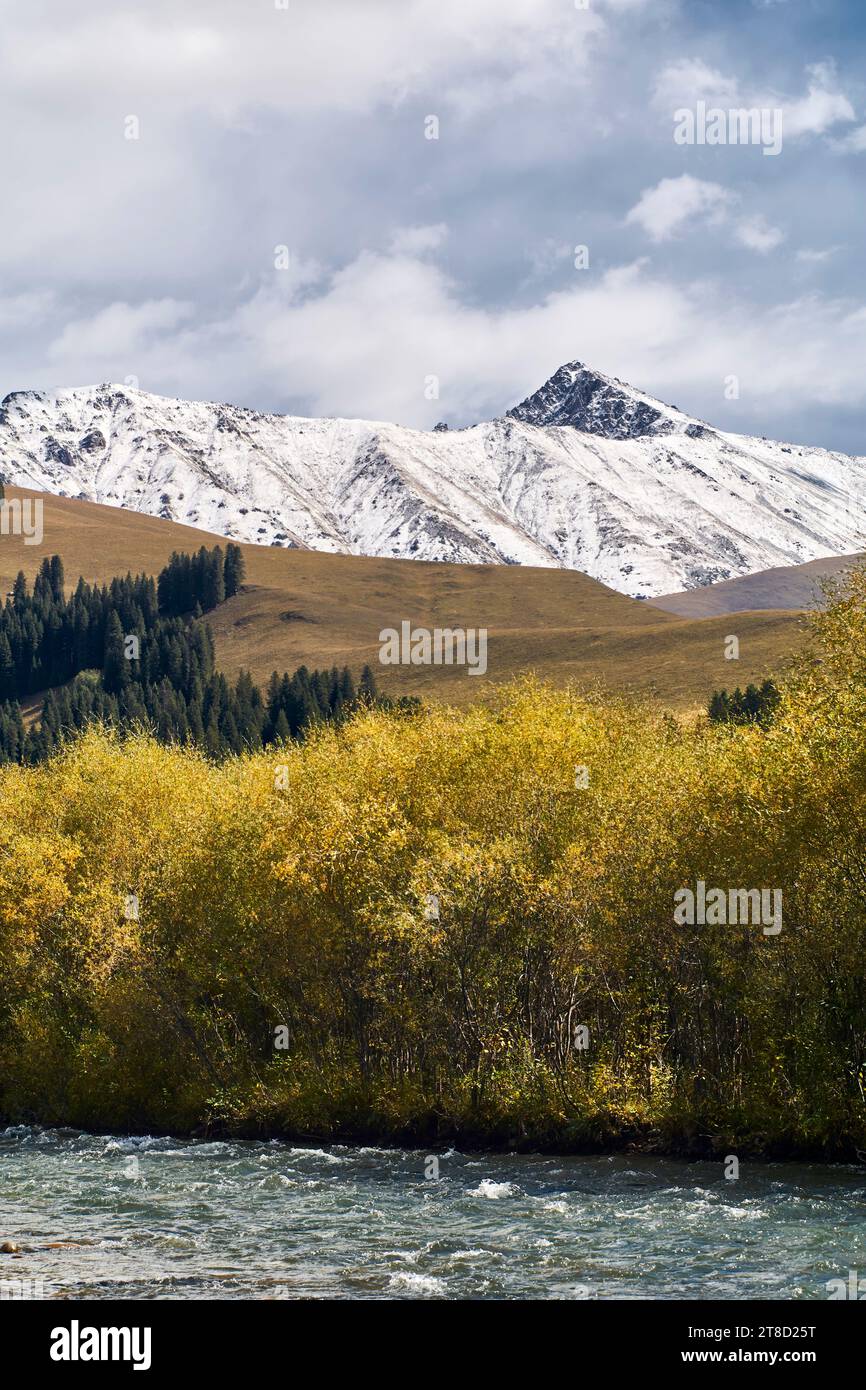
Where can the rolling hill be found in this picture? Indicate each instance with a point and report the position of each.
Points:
(784, 587)
(304, 607)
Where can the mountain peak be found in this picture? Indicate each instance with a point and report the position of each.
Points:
(588, 401)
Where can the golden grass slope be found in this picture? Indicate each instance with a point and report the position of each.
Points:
(784, 587)
(307, 607)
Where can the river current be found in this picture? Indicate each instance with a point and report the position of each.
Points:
(166, 1218)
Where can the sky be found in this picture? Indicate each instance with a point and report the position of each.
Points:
(416, 210)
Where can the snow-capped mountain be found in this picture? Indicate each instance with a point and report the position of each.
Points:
(597, 404)
(586, 474)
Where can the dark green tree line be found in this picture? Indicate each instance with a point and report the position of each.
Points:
(136, 653)
(754, 705)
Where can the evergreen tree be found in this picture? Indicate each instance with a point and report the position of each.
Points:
(115, 672)
(719, 707)
(367, 688)
(234, 570)
(7, 669)
(56, 577)
(282, 732)
(754, 705)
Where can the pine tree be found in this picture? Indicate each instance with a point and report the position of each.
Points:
(7, 669)
(234, 569)
(347, 687)
(56, 577)
(115, 671)
(367, 689)
(213, 580)
(282, 732)
(719, 707)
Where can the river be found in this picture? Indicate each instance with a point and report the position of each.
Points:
(168, 1218)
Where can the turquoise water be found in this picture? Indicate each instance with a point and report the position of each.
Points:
(166, 1218)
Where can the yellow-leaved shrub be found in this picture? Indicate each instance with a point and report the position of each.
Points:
(431, 926)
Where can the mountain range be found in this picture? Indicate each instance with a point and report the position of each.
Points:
(586, 474)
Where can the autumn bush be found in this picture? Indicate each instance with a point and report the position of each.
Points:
(292, 897)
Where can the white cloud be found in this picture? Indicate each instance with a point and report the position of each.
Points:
(664, 210)
(414, 241)
(689, 80)
(757, 234)
(119, 329)
(821, 108)
(228, 57)
(364, 341)
(20, 311)
(852, 143)
(811, 257)
(240, 100)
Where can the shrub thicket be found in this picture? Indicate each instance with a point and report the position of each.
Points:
(305, 899)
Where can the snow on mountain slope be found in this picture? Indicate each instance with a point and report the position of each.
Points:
(586, 474)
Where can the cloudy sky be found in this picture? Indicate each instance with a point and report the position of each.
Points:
(239, 200)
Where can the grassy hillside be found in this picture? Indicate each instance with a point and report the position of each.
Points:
(784, 587)
(303, 607)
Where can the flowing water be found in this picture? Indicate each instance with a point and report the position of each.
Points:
(168, 1218)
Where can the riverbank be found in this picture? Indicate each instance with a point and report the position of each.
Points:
(686, 1145)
